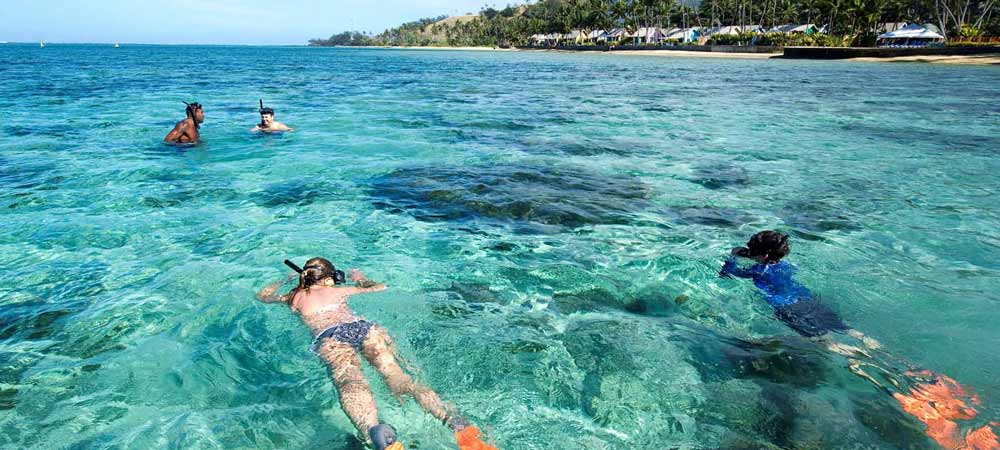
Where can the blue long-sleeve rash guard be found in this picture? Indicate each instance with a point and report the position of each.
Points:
(777, 281)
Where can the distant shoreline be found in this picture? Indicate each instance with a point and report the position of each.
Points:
(984, 59)
(979, 60)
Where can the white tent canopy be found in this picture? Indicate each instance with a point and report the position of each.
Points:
(792, 28)
(912, 31)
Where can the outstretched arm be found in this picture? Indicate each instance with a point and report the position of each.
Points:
(364, 284)
(731, 269)
(270, 293)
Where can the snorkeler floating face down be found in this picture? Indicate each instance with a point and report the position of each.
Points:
(340, 337)
(936, 400)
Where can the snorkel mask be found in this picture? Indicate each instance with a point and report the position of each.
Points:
(339, 277)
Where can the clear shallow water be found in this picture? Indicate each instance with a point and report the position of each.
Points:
(536, 217)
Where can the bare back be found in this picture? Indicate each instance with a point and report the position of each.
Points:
(323, 307)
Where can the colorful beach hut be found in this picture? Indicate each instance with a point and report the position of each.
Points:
(618, 35)
(577, 37)
(597, 36)
(685, 34)
(648, 35)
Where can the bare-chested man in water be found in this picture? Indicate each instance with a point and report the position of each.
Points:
(186, 131)
(268, 124)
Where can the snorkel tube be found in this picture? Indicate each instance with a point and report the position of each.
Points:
(297, 269)
(339, 277)
(264, 111)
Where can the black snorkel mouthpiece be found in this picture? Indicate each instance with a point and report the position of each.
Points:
(339, 277)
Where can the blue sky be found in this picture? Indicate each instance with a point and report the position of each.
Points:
(210, 22)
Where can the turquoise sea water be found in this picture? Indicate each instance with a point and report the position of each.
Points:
(550, 226)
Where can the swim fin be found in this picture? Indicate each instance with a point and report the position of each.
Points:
(383, 437)
(468, 439)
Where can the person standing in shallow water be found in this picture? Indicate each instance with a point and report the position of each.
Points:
(321, 301)
(186, 131)
(936, 400)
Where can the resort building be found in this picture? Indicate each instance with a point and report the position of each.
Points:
(684, 34)
(598, 36)
(889, 26)
(912, 35)
(577, 37)
(807, 29)
(648, 35)
(618, 35)
(734, 29)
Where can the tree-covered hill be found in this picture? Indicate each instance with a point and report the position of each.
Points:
(852, 21)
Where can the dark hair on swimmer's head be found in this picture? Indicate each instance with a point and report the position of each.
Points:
(316, 271)
(266, 111)
(192, 108)
(770, 245)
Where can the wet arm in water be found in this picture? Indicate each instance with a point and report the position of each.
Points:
(269, 294)
(183, 132)
(732, 269)
(175, 135)
(364, 284)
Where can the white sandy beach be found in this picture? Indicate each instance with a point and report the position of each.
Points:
(985, 59)
(990, 59)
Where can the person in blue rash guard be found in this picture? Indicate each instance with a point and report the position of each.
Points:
(793, 303)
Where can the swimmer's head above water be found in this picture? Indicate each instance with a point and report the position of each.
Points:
(267, 123)
(767, 247)
(195, 112)
(266, 115)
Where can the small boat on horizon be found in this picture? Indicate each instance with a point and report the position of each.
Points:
(117, 46)
(41, 44)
